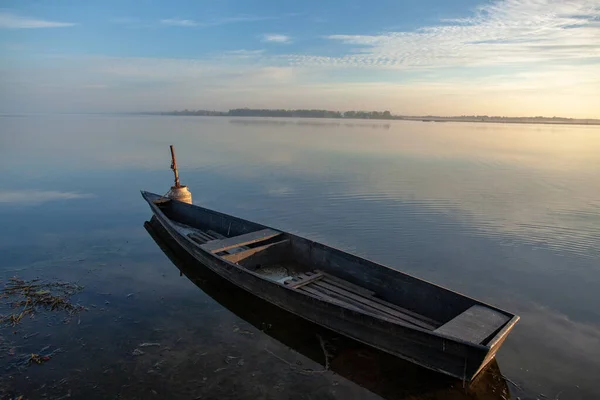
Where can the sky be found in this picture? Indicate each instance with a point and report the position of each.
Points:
(412, 57)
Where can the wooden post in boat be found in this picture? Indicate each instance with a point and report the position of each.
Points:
(178, 192)
(174, 167)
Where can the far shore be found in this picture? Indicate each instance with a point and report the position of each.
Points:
(375, 115)
(506, 121)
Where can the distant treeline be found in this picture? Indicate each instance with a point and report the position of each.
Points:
(253, 112)
(207, 113)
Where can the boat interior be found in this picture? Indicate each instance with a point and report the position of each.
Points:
(335, 276)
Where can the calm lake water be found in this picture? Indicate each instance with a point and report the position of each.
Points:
(509, 214)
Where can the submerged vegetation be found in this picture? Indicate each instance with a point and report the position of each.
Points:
(29, 297)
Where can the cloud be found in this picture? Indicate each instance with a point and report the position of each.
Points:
(241, 18)
(32, 197)
(276, 38)
(243, 55)
(244, 52)
(179, 22)
(12, 21)
(500, 33)
(189, 23)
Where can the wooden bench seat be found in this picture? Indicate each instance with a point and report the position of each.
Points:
(241, 253)
(474, 325)
(201, 237)
(217, 246)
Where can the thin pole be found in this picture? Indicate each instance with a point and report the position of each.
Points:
(174, 167)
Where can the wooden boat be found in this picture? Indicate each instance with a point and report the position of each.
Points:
(337, 353)
(402, 315)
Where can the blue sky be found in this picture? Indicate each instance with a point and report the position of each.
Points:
(506, 57)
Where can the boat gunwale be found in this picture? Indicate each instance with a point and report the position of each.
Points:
(506, 328)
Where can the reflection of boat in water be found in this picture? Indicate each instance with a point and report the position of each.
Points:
(405, 316)
(375, 370)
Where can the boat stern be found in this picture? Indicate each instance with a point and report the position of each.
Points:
(496, 342)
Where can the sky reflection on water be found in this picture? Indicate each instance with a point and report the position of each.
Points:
(506, 213)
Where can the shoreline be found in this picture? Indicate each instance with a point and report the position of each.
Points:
(531, 121)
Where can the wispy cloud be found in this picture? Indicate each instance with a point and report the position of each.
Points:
(276, 38)
(12, 21)
(244, 52)
(190, 23)
(179, 22)
(240, 18)
(500, 33)
(31, 197)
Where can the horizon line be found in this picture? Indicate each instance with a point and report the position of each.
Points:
(392, 115)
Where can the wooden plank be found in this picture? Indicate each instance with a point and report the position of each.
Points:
(474, 325)
(318, 290)
(351, 287)
(217, 246)
(328, 298)
(298, 278)
(345, 284)
(403, 310)
(382, 307)
(360, 305)
(203, 235)
(305, 279)
(215, 235)
(237, 257)
(197, 238)
(406, 311)
(337, 298)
